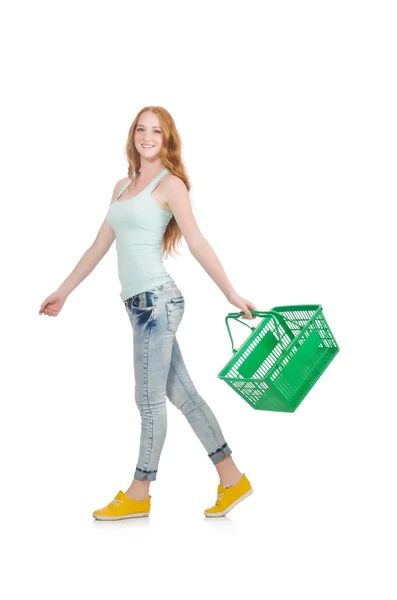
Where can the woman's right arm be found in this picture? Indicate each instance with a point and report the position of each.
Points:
(87, 263)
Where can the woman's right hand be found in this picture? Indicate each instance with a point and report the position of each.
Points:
(53, 304)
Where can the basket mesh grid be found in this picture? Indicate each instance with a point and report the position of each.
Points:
(298, 351)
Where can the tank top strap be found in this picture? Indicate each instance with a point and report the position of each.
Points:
(157, 179)
(123, 190)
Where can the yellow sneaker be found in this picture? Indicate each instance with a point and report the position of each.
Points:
(123, 507)
(228, 497)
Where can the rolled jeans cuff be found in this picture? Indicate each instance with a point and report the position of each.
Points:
(145, 474)
(220, 453)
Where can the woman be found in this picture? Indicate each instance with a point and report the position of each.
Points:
(149, 212)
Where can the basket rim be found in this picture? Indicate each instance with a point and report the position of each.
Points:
(316, 307)
(297, 307)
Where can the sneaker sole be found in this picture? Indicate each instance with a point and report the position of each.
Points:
(102, 518)
(229, 508)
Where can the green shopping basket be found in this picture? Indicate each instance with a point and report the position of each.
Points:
(281, 360)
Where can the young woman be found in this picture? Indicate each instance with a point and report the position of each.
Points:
(150, 211)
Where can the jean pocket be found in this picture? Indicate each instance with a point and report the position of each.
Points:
(144, 300)
(175, 309)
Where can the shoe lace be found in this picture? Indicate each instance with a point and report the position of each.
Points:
(115, 501)
(219, 498)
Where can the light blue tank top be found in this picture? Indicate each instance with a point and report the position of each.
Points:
(139, 225)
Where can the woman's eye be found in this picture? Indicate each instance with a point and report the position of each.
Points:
(141, 129)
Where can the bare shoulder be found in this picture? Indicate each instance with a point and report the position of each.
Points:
(173, 183)
(171, 186)
(118, 187)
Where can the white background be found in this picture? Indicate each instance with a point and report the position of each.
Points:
(287, 115)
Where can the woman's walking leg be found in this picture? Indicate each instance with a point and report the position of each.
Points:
(183, 394)
(152, 357)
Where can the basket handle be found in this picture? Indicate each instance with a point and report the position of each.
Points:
(258, 313)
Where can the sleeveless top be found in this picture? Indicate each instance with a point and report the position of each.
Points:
(139, 225)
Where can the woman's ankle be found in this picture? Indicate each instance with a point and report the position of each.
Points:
(138, 490)
(228, 472)
(230, 481)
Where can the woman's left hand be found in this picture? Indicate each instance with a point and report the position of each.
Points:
(242, 304)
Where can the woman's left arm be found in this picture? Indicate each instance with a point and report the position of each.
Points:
(178, 200)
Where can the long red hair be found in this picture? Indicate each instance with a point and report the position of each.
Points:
(170, 157)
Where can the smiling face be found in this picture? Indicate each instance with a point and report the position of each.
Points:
(148, 136)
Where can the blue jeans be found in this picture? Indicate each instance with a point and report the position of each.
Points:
(159, 370)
